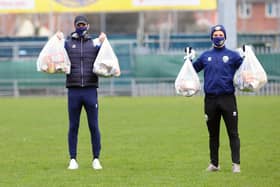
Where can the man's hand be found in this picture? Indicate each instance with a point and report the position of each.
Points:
(190, 53)
(59, 35)
(241, 52)
(102, 37)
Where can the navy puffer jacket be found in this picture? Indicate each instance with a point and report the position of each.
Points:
(82, 54)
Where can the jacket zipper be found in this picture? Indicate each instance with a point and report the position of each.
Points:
(82, 70)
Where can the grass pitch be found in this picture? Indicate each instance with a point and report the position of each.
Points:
(146, 141)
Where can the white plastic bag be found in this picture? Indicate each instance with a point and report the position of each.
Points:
(250, 76)
(53, 58)
(106, 63)
(187, 82)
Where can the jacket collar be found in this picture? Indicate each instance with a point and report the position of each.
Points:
(75, 35)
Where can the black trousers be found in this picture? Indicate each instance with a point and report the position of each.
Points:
(215, 108)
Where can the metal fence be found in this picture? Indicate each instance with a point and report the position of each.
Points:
(126, 85)
(113, 87)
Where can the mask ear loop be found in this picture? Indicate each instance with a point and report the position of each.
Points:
(84, 33)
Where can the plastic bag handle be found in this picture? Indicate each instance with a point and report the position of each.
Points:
(187, 48)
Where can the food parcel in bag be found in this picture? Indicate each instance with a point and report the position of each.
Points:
(53, 58)
(250, 76)
(106, 63)
(187, 82)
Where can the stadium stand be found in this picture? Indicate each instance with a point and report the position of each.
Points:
(142, 67)
(13, 48)
(179, 41)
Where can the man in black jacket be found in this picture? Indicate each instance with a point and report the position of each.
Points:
(82, 86)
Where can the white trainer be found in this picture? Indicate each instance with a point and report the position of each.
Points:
(96, 164)
(211, 167)
(73, 164)
(236, 168)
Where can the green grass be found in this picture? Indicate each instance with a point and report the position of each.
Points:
(146, 141)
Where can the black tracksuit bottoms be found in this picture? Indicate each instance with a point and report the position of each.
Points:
(79, 97)
(225, 106)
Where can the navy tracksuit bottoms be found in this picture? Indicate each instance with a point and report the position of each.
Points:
(215, 108)
(77, 98)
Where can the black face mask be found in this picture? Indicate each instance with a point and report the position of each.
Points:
(219, 41)
(81, 30)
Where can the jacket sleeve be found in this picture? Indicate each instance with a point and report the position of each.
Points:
(238, 60)
(198, 64)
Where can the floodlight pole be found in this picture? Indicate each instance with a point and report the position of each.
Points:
(103, 22)
(141, 28)
(227, 17)
(51, 19)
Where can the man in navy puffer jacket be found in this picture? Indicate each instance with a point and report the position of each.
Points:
(219, 65)
(82, 86)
